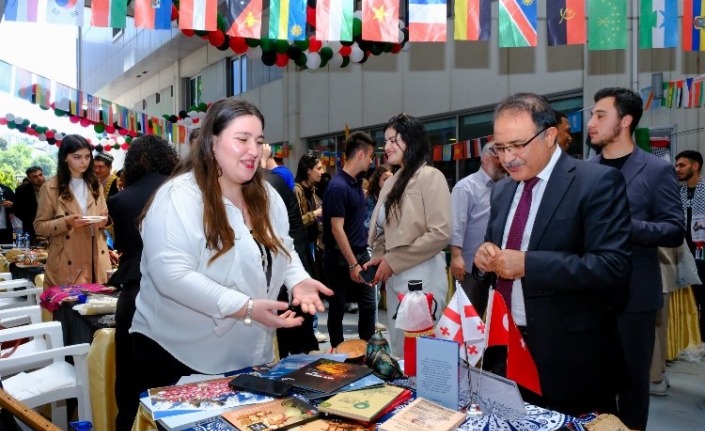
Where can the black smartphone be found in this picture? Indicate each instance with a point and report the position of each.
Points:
(260, 385)
(369, 274)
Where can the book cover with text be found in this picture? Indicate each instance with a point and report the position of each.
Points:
(325, 375)
(279, 414)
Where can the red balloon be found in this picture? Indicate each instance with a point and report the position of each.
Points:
(30, 131)
(52, 106)
(89, 140)
(49, 134)
(174, 12)
(216, 38)
(123, 132)
(107, 148)
(196, 120)
(133, 133)
(85, 122)
(238, 45)
(109, 129)
(314, 44)
(311, 16)
(3, 121)
(125, 146)
(282, 60)
(345, 51)
(74, 119)
(187, 32)
(58, 143)
(396, 48)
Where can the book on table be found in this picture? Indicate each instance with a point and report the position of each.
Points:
(363, 405)
(369, 381)
(333, 425)
(280, 414)
(424, 415)
(325, 375)
(294, 362)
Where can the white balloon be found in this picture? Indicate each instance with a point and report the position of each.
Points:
(358, 14)
(336, 60)
(59, 136)
(111, 142)
(42, 137)
(18, 120)
(402, 24)
(356, 54)
(313, 60)
(188, 122)
(335, 45)
(201, 115)
(401, 36)
(406, 47)
(10, 117)
(192, 113)
(254, 53)
(120, 140)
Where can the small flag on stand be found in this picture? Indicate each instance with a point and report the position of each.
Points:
(461, 323)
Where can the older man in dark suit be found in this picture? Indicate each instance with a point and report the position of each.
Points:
(657, 221)
(558, 243)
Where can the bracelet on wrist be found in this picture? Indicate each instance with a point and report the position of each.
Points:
(353, 265)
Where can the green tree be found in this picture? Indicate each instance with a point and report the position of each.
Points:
(7, 176)
(17, 157)
(3, 144)
(47, 164)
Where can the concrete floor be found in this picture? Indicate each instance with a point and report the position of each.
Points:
(682, 409)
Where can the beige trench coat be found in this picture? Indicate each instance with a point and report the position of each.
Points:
(70, 249)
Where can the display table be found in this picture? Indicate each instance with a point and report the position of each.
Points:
(77, 328)
(29, 272)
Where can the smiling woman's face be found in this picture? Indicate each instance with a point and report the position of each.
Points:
(238, 150)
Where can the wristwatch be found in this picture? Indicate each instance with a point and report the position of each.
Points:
(248, 312)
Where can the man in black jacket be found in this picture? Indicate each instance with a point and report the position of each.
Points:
(7, 198)
(27, 198)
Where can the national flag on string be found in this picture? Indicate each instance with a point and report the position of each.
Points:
(23, 11)
(24, 87)
(461, 323)
(76, 102)
(42, 92)
(131, 121)
(61, 97)
(5, 77)
(688, 93)
(698, 93)
(153, 14)
(517, 23)
(658, 24)
(428, 20)
(334, 20)
(447, 153)
(243, 18)
(178, 134)
(671, 94)
(607, 26)
(679, 93)
(647, 95)
(287, 19)
(68, 12)
(107, 114)
(109, 13)
(693, 25)
(473, 20)
(199, 15)
(459, 151)
(566, 22)
(437, 153)
(501, 331)
(476, 147)
(92, 108)
(380, 20)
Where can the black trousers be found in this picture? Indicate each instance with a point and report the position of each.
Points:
(155, 366)
(127, 394)
(699, 294)
(636, 331)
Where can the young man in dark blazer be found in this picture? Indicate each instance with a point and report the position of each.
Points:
(657, 221)
(563, 283)
(27, 198)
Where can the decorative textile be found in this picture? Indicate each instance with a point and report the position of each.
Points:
(698, 201)
(53, 297)
(536, 418)
(516, 231)
(683, 326)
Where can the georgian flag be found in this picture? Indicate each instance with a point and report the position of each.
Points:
(461, 323)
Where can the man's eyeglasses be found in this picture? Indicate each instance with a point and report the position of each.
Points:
(500, 150)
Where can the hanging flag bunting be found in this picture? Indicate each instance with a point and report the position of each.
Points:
(437, 153)
(23, 84)
(109, 13)
(380, 20)
(75, 102)
(607, 26)
(334, 20)
(566, 22)
(473, 20)
(153, 14)
(694, 25)
(106, 110)
(68, 12)
(287, 19)
(447, 153)
(244, 18)
(658, 24)
(23, 10)
(5, 77)
(427, 20)
(42, 91)
(92, 108)
(679, 93)
(199, 15)
(459, 151)
(517, 23)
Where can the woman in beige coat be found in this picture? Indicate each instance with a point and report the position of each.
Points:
(72, 213)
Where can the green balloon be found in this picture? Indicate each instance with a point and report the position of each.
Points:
(202, 107)
(376, 49)
(346, 61)
(99, 128)
(26, 122)
(326, 53)
(116, 146)
(301, 60)
(59, 113)
(387, 47)
(128, 139)
(357, 27)
(11, 125)
(166, 116)
(324, 62)
(252, 43)
(281, 46)
(44, 108)
(201, 33)
(267, 44)
(302, 44)
(222, 24)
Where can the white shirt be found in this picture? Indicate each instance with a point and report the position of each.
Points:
(80, 191)
(518, 309)
(183, 301)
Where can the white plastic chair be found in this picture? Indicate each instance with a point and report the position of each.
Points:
(18, 293)
(6, 276)
(52, 384)
(43, 336)
(20, 316)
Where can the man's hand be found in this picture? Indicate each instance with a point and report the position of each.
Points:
(7, 204)
(509, 264)
(485, 256)
(457, 267)
(355, 274)
(306, 293)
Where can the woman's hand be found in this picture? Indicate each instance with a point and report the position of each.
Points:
(76, 221)
(383, 272)
(265, 311)
(305, 294)
(101, 224)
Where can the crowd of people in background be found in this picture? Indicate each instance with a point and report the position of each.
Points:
(226, 247)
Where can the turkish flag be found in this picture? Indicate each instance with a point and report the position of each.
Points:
(502, 331)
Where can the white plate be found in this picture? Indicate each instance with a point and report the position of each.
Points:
(19, 265)
(94, 219)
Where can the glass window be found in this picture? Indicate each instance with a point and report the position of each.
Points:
(442, 132)
(195, 90)
(236, 76)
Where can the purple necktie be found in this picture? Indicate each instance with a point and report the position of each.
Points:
(516, 232)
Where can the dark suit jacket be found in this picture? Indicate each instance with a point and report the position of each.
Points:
(657, 221)
(25, 207)
(125, 208)
(6, 234)
(577, 265)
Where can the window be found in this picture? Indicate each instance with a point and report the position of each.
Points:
(195, 90)
(442, 132)
(117, 32)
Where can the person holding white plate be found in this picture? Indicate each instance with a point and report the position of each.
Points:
(72, 213)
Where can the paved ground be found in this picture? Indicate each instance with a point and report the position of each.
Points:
(683, 409)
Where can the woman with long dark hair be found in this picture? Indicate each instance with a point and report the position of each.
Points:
(411, 223)
(216, 252)
(72, 213)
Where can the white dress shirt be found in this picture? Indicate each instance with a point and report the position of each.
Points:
(518, 309)
(184, 299)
